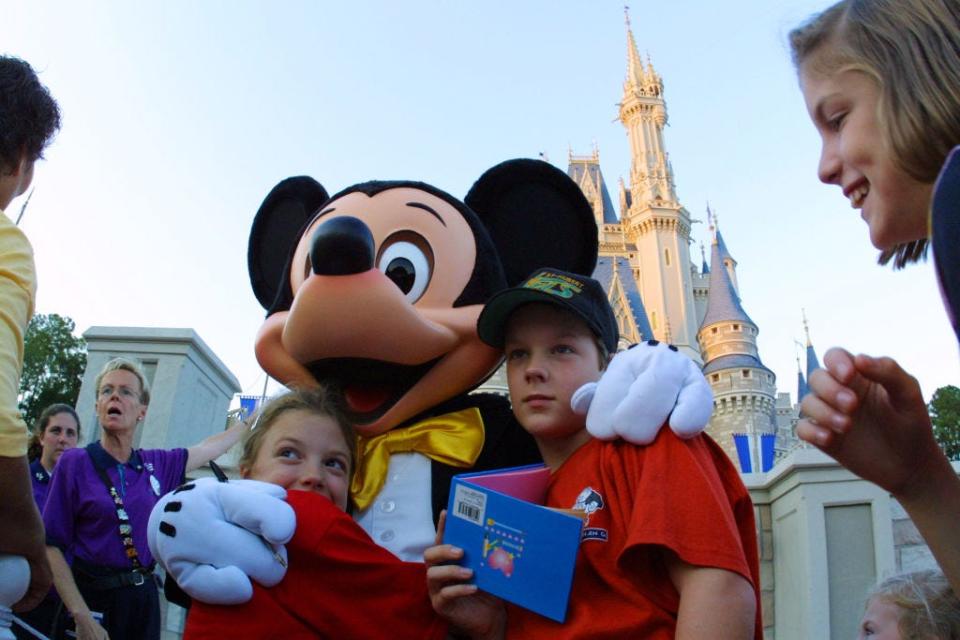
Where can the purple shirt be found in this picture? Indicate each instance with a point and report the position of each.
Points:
(80, 516)
(41, 483)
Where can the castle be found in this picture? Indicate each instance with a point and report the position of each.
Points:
(658, 292)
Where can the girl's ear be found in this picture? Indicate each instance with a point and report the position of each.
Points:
(244, 471)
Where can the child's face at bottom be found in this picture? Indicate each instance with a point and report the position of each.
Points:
(304, 451)
(550, 354)
(880, 621)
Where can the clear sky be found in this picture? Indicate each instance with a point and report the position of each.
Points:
(178, 117)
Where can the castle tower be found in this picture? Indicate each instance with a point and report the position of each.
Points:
(653, 221)
(744, 390)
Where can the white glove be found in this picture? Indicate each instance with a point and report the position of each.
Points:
(639, 389)
(211, 535)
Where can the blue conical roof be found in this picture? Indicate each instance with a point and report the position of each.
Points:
(812, 362)
(724, 253)
(723, 303)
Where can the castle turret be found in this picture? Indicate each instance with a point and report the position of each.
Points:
(744, 389)
(654, 221)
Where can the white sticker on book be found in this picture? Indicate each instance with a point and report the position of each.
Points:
(469, 504)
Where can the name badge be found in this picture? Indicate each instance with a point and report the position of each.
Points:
(155, 485)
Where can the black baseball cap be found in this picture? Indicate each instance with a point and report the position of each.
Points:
(582, 296)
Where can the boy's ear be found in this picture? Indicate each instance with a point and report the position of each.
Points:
(244, 471)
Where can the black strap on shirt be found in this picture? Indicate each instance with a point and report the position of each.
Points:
(126, 529)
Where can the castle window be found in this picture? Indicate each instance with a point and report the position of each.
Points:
(666, 256)
(715, 377)
(713, 330)
(736, 327)
(746, 373)
(653, 319)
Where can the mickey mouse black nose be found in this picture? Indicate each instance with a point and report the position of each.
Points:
(342, 246)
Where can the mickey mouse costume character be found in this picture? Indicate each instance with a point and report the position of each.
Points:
(376, 292)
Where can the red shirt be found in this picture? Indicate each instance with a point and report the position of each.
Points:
(340, 584)
(684, 495)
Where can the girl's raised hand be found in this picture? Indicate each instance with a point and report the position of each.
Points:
(869, 414)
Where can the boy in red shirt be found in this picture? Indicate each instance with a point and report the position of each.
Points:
(668, 548)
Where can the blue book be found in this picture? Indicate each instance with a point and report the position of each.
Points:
(518, 549)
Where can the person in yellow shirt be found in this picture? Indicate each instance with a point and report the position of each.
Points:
(29, 117)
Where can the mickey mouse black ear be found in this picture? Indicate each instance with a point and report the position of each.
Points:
(278, 224)
(537, 217)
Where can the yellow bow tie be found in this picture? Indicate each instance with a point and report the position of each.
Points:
(454, 439)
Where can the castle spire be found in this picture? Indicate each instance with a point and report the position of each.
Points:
(723, 302)
(635, 70)
(802, 388)
(726, 260)
(812, 362)
(644, 113)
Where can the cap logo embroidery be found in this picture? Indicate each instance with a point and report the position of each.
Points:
(555, 284)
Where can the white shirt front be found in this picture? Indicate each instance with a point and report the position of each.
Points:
(400, 519)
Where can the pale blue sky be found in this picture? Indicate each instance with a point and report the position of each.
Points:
(180, 116)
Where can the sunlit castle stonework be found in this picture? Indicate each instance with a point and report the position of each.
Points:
(658, 292)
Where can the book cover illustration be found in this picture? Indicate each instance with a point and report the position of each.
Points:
(518, 549)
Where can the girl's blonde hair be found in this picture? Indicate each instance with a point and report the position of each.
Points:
(912, 50)
(319, 401)
(928, 607)
(122, 364)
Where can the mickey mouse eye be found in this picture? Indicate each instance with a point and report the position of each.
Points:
(407, 260)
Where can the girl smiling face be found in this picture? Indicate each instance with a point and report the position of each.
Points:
(855, 156)
(306, 451)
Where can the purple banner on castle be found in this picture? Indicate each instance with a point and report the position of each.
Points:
(767, 440)
(742, 441)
